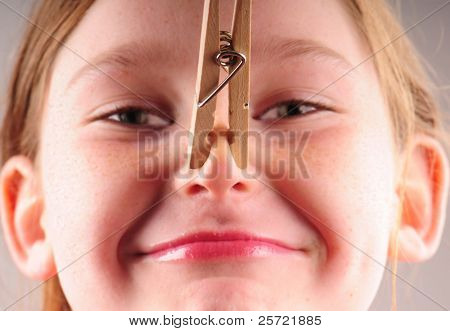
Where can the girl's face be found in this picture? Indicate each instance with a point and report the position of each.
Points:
(116, 185)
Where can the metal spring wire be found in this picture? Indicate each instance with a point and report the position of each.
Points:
(224, 59)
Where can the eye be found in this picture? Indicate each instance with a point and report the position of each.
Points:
(136, 116)
(290, 108)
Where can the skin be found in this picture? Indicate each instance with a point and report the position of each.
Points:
(86, 185)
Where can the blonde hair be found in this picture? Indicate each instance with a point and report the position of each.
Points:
(52, 22)
(406, 88)
(402, 79)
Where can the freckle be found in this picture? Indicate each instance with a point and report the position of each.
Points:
(351, 294)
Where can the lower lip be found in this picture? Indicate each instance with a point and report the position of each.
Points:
(220, 249)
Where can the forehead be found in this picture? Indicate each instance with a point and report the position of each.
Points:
(170, 30)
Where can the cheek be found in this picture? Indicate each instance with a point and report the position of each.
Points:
(94, 189)
(348, 195)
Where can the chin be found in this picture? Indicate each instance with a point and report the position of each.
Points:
(226, 294)
(221, 303)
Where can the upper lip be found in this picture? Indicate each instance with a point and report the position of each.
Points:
(213, 236)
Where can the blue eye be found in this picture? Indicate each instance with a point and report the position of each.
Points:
(290, 108)
(140, 117)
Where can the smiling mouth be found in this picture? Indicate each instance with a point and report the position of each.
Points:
(211, 245)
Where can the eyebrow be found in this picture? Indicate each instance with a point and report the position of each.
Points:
(135, 53)
(123, 56)
(288, 48)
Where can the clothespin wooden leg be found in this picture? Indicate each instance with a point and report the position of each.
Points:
(207, 80)
(239, 86)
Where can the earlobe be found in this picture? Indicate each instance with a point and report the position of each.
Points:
(425, 186)
(411, 245)
(40, 264)
(21, 215)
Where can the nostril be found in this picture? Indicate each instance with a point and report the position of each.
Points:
(194, 189)
(240, 187)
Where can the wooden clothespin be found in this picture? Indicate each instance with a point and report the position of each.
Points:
(219, 48)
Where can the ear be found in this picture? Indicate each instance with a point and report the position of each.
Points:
(21, 207)
(426, 186)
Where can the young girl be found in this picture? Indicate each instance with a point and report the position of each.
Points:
(91, 77)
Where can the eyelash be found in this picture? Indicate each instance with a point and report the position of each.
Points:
(298, 102)
(137, 109)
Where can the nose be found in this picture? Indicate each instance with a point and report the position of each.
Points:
(219, 175)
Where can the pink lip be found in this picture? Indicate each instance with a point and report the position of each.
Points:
(208, 245)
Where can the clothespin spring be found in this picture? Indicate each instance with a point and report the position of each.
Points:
(225, 58)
